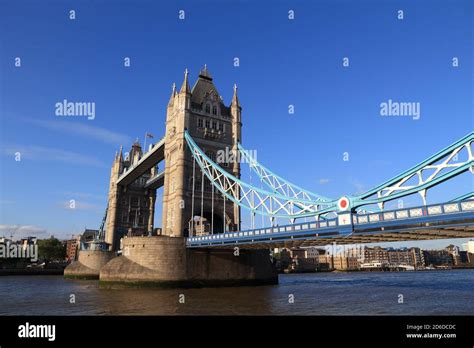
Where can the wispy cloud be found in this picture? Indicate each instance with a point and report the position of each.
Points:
(360, 187)
(21, 231)
(83, 195)
(71, 126)
(81, 205)
(33, 152)
(324, 181)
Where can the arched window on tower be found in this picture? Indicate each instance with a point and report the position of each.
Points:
(208, 108)
(214, 109)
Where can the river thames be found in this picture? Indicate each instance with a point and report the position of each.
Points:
(357, 293)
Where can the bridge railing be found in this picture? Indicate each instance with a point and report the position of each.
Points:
(339, 224)
(415, 212)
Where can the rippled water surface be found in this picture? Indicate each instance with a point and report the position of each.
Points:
(429, 292)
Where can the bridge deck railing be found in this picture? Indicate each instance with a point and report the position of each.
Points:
(336, 225)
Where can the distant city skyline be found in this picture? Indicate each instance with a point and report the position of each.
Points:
(299, 63)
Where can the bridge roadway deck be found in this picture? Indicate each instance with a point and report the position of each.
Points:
(439, 221)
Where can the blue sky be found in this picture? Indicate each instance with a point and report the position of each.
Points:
(282, 62)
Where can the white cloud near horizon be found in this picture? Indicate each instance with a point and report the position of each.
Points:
(81, 205)
(84, 130)
(360, 187)
(22, 231)
(34, 152)
(84, 195)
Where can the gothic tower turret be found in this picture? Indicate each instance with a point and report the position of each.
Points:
(216, 129)
(236, 113)
(131, 207)
(175, 163)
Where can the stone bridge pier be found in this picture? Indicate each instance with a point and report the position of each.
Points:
(165, 262)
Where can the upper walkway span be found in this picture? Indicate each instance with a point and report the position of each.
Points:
(144, 164)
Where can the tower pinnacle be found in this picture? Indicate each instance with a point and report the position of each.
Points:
(185, 87)
(204, 73)
(173, 94)
(235, 99)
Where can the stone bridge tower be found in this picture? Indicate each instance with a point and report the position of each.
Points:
(130, 209)
(216, 128)
(165, 260)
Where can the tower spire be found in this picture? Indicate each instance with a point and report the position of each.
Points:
(235, 99)
(185, 87)
(204, 73)
(173, 94)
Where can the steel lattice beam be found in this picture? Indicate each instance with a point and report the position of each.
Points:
(256, 200)
(287, 200)
(442, 164)
(279, 184)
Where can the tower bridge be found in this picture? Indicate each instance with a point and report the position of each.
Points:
(203, 200)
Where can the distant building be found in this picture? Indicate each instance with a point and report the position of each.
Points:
(72, 248)
(345, 263)
(89, 235)
(304, 264)
(376, 254)
(298, 260)
(314, 253)
(418, 258)
(201, 227)
(400, 257)
(299, 252)
(438, 258)
(325, 262)
(285, 258)
(461, 258)
(410, 257)
(285, 255)
(464, 257)
(453, 249)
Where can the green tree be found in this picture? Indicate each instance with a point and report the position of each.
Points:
(51, 249)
